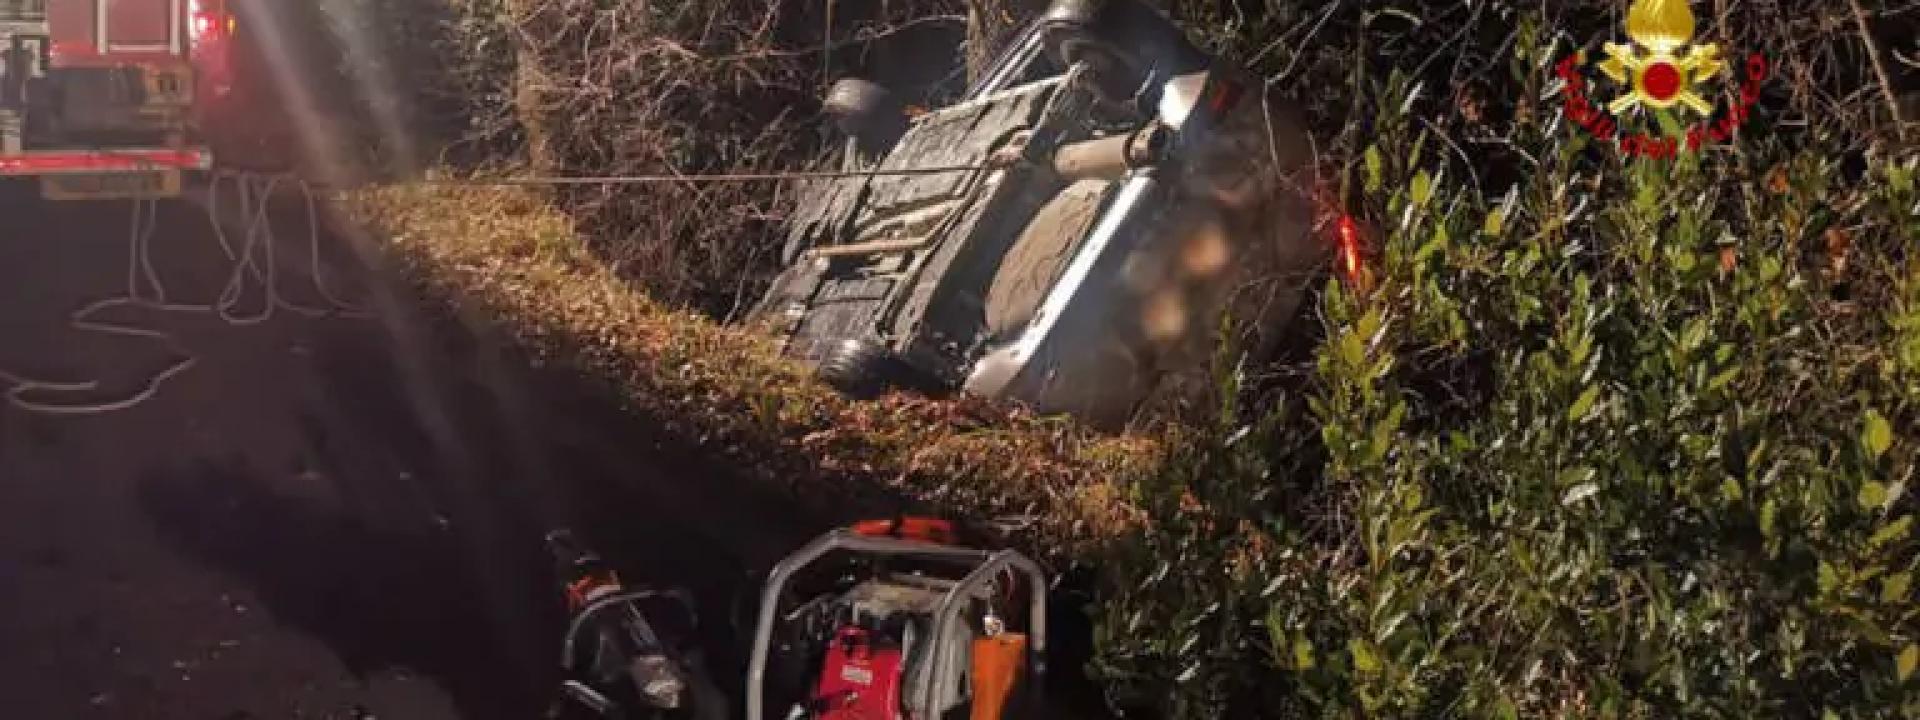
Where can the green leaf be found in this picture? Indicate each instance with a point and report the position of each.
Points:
(1877, 435)
(1893, 532)
(1434, 244)
(1363, 658)
(1872, 495)
(1302, 653)
(1769, 511)
(1374, 170)
(1900, 179)
(1723, 378)
(1646, 197)
(1353, 351)
(1669, 125)
(1686, 262)
(1865, 625)
(1584, 404)
(1908, 659)
(1579, 349)
(1829, 577)
(1576, 475)
(1496, 221)
(1369, 324)
(1693, 333)
(1504, 709)
(1413, 498)
(1422, 189)
(1385, 430)
(1893, 588)
(1754, 456)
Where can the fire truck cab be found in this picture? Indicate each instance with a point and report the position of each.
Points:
(98, 97)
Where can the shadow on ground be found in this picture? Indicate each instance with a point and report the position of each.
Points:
(405, 533)
(382, 598)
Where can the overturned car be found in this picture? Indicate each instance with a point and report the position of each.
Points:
(1067, 235)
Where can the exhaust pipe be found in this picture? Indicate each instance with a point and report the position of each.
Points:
(1111, 158)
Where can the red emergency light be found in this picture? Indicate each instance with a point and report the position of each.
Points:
(1350, 250)
(210, 22)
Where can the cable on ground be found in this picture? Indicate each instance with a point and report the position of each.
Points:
(253, 262)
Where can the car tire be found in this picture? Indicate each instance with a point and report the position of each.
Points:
(1069, 43)
(855, 367)
(864, 110)
(1124, 40)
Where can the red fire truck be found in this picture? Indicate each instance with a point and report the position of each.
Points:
(100, 98)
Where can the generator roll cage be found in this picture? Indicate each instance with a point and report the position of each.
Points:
(984, 567)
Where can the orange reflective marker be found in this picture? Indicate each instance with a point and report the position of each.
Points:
(997, 661)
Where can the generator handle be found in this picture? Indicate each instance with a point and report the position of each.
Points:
(948, 612)
(839, 539)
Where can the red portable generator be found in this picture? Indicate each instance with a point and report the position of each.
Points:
(859, 677)
(889, 620)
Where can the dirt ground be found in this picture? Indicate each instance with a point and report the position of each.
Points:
(332, 517)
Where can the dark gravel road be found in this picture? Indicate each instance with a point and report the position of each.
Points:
(322, 517)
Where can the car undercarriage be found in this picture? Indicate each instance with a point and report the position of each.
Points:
(1065, 236)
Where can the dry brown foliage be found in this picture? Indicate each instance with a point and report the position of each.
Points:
(685, 88)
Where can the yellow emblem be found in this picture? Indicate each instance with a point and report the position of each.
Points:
(1659, 74)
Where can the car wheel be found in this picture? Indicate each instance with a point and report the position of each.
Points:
(1124, 41)
(856, 367)
(864, 110)
(1113, 78)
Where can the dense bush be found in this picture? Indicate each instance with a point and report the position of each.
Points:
(1631, 438)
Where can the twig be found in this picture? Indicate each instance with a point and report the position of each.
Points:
(1302, 45)
(1465, 159)
(1879, 70)
(826, 54)
(1909, 62)
(1472, 20)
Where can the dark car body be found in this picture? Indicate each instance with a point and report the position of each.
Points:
(1066, 235)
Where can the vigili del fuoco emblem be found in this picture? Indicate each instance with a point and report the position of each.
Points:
(1660, 69)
